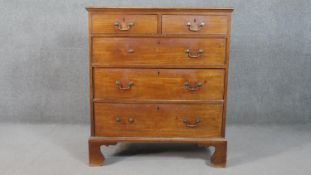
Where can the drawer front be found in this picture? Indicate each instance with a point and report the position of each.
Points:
(156, 51)
(159, 84)
(124, 24)
(158, 120)
(194, 24)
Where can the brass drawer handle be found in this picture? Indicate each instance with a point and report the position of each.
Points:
(192, 54)
(192, 125)
(131, 120)
(118, 119)
(124, 26)
(195, 27)
(121, 86)
(194, 87)
(130, 50)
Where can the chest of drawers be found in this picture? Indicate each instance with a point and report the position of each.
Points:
(158, 75)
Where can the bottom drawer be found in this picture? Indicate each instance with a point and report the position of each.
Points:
(158, 120)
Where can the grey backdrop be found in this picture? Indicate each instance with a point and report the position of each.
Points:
(44, 59)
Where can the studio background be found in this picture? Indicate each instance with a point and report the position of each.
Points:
(44, 59)
(44, 92)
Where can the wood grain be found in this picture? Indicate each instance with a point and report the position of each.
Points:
(160, 84)
(157, 120)
(176, 24)
(143, 24)
(150, 102)
(218, 158)
(158, 51)
(148, 9)
(96, 158)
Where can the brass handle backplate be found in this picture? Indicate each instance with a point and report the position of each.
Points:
(194, 87)
(124, 26)
(192, 54)
(195, 26)
(192, 124)
(130, 84)
(118, 119)
(130, 50)
(131, 120)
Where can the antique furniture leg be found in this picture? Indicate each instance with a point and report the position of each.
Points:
(219, 157)
(96, 158)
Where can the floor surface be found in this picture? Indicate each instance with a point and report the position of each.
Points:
(52, 149)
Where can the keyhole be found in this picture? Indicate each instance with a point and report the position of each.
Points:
(194, 20)
(158, 108)
(158, 73)
(123, 19)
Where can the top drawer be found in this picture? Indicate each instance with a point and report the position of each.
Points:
(194, 24)
(127, 24)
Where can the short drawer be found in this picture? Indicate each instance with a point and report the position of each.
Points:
(159, 51)
(158, 84)
(124, 24)
(194, 24)
(158, 120)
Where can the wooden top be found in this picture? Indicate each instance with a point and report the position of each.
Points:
(91, 8)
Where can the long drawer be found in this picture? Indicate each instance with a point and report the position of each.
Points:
(158, 120)
(158, 51)
(158, 84)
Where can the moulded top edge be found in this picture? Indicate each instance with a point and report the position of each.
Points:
(90, 8)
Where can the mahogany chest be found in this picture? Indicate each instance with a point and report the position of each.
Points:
(158, 75)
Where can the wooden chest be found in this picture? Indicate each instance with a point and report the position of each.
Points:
(158, 75)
